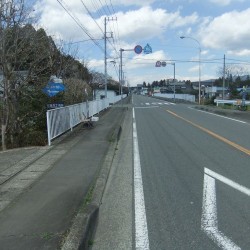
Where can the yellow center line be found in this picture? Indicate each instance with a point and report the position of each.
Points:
(221, 138)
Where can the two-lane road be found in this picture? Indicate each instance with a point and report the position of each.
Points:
(191, 179)
(195, 175)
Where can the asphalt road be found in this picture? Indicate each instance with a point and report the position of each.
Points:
(191, 175)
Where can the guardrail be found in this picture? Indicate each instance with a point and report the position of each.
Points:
(233, 102)
(60, 120)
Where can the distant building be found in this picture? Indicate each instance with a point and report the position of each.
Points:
(99, 94)
(216, 91)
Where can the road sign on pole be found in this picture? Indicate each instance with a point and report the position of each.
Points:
(53, 88)
(163, 64)
(147, 49)
(158, 64)
(138, 49)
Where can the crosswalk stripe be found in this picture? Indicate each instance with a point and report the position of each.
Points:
(156, 103)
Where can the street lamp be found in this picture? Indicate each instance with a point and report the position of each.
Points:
(182, 37)
(174, 79)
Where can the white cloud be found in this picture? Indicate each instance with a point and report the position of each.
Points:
(194, 69)
(143, 23)
(229, 31)
(244, 52)
(146, 23)
(133, 2)
(56, 21)
(225, 2)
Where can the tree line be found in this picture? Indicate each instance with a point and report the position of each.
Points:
(235, 78)
(28, 58)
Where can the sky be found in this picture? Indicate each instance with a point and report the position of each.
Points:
(212, 29)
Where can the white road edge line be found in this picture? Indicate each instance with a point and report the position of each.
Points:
(209, 222)
(219, 115)
(141, 228)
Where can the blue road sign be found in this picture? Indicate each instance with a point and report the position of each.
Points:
(53, 88)
(138, 49)
(50, 92)
(55, 105)
(147, 49)
(56, 86)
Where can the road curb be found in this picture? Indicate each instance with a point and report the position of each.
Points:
(84, 224)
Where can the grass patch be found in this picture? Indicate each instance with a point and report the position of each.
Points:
(47, 235)
(88, 198)
(90, 243)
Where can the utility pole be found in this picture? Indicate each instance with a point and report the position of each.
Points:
(224, 73)
(174, 80)
(120, 75)
(105, 50)
(105, 56)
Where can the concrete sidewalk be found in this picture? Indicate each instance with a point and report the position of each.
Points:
(50, 187)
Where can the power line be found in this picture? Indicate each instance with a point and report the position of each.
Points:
(91, 16)
(112, 6)
(102, 7)
(236, 60)
(97, 10)
(81, 41)
(80, 25)
(108, 8)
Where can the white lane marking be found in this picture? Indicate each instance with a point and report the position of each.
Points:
(209, 221)
(219, 115)
(227, 181)
(147, 103)
(149, 107)
(209, 214)
(172, 103)
(141, 228)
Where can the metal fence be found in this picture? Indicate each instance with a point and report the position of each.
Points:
(186, 97)
(63, 119)
(233, 102)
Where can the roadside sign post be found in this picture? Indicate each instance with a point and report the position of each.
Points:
(138, 50)
(164, 64)
(53, 87)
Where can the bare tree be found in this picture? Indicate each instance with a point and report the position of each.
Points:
(77, 91)
(12, 15)
(25, 56)
(232, 71)
(28, 57)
